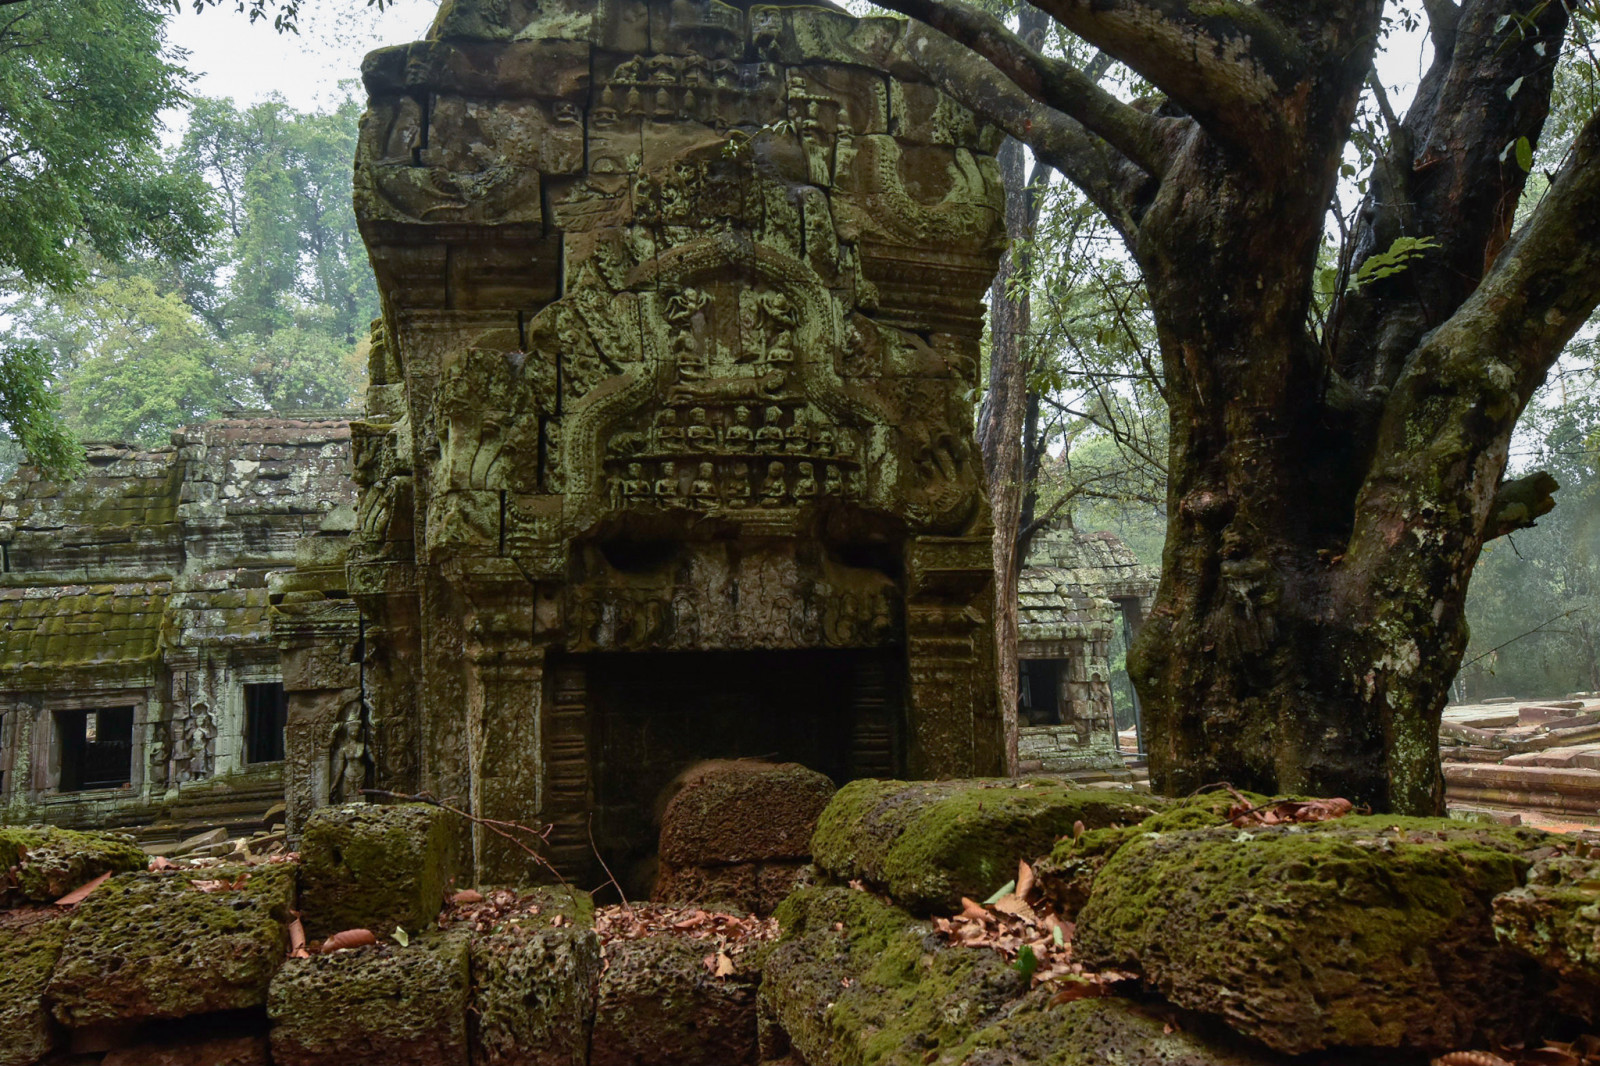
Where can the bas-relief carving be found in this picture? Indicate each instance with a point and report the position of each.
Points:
(673, 272)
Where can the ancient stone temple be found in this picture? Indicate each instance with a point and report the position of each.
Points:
(668, 451)
(161, 615)
(1076, 589)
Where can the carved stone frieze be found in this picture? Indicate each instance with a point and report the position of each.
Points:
(682, 325)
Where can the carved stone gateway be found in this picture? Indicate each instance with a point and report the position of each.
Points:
(668, 451)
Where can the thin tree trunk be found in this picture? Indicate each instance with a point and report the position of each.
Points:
(1000, 434)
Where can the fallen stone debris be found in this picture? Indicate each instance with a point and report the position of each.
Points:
(1535, 760)
(1049, 924)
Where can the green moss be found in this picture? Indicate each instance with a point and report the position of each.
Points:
(1096, 1032)
(658, 1002)
(533, 995)
(858, 980)
(402, 1006)
(1363, 932)
(1555, 919)
(162, 945)
(30, 944)
(365, 866)
(43, 863)
(930, 843)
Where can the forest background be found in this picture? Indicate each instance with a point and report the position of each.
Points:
(182, 254)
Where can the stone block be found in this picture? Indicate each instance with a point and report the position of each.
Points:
(174, 944)
(365, 866)
(660, 1003)
(1555, 918)
(1089, 1032)
(858, 980)
(382, 1005)
(43, 863)
(1365, 932)
(757, 887)
(193, 1050)
(743, 811)
(928, 843)
(533, 996)
(30, 944)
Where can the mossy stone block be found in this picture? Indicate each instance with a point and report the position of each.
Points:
(928, 843)
(1555, 918)
(146, 946)
(533, 996)
(1366, 932)
(1099, 1032)
(740, 811)
(659, 1002)
(30, 944)
(366, 866)
(42, 863)
(857, 980)
(382, 1005)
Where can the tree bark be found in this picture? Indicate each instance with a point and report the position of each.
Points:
(1328, 493)
(1000, 432)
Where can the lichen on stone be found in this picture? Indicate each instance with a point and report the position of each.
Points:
(930, 843)
(1361, 932)
(43, 863)
(30, 944)
(366, 866)
(174, 944)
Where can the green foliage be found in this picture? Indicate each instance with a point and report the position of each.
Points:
(81, 84)
(1399, 255)
(31, 412)
(1534, 604)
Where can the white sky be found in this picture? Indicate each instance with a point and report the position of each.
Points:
(250, 61)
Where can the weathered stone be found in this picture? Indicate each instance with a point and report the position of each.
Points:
(197, 1050)
(1099, 1032)
(534, 986)
(856, 980)
(757, 887)
(366, 866)
(30, 944)
(743, 811)
(1364, 932)
(1555, 918)
(673, 387)
(659, 1002)
(929, 843)
(383, 1005)
(43, 863)
(174, 944)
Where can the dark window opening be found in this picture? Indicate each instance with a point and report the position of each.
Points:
(96, 748)
(266, 711)
(1039, 691)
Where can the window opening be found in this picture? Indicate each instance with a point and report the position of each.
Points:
(96, 748)
(266, 712)
(1039, 692)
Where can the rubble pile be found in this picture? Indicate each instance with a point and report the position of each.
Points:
(1540, 757)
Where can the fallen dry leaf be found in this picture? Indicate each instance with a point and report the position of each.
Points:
(1470, 1058)
(467, 895)
(350, 938)
(1024, 879)
(725, 966)
(297, 940)
(79, 894)
(159, 863)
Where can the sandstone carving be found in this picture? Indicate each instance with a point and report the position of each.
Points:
(682, 320)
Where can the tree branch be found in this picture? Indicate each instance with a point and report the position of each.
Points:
(1053, 82)
(1443, 17)
(1519, 501)
(1112, 183)
(1226, 63)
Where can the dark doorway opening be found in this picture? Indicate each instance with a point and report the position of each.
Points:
(653, 715)
(1039, 691)
(96, 748)
(266, 711)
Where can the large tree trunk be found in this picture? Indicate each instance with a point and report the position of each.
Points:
(1329, 492)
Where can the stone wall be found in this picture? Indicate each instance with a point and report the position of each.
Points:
(148, 584)
(1072, 588)
(682, 322)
